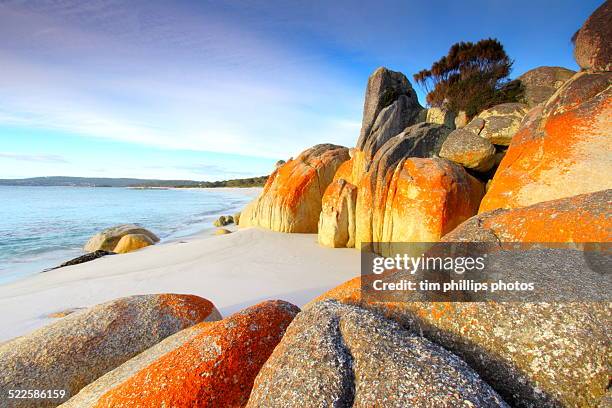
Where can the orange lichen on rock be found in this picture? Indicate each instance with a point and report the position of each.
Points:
(215, 367)
(562, 149)
(581, 218)
(291, 198)
(419, 201)
(189, 307)
(337, 219)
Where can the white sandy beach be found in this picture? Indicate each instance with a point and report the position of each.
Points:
(233, 271)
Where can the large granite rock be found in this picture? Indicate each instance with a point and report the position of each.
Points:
(581, 218)
(539, 84)
(562, 148)
(469, 149)
(77, 349)
(335, 355)
(109, 238)
(207, 365)
(413, 199)
(501, 122)
(390, 121)
(337, 219)
(593, 46)
(291, 199)
(132, 242)
(385, 87)
(540, 354)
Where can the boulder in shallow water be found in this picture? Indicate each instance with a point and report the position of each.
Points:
(108, 239)
(207, 365)
(132, 242)
(336, 355)
(77, 349)
(291, 199)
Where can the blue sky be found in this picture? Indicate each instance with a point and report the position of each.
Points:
(212, 90)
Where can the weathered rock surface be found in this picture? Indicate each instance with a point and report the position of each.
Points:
(207, 365)
(562, 149)
(441, 117)
(83, 258)
(413, 199)
(593, 48)
(390, 121)
(77, 349)
(337, 220)
(468, 149)
(501, 122)
(108, 239)
(533, 354)
(222, 231)
(291, 198)
(461, 120)
(132, 242)
(384, 88)
(336, 355)
(581, 218)
(539, 84)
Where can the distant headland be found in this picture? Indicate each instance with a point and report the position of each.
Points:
(62, 181)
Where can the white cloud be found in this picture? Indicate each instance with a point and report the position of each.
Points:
(161, 77)
(43, 158)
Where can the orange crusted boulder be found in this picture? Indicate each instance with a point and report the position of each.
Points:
(562, 148)
(291, 198)
(581, 218)
(417, 200)
(77, 349)
(207, 365)
(337, 219)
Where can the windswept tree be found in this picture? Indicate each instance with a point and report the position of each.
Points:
(471, 77)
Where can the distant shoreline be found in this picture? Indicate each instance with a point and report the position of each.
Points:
(101, 182)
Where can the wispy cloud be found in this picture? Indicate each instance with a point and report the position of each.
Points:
(43, 158)
(152, 74)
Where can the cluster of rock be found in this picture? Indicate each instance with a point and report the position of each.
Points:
(419, 175)
(410, 178)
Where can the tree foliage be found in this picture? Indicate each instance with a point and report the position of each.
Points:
(471, 77)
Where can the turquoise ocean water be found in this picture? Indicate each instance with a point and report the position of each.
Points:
(41, 227)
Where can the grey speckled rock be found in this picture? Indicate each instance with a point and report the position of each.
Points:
(541, 83)
(384, 88)
(469, 150)
(79, 348)
(337, 355)
(501, 122)
(107, 240)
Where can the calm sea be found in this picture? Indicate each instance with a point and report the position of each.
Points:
(41, 227)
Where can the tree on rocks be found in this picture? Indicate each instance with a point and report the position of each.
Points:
(470, 78)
